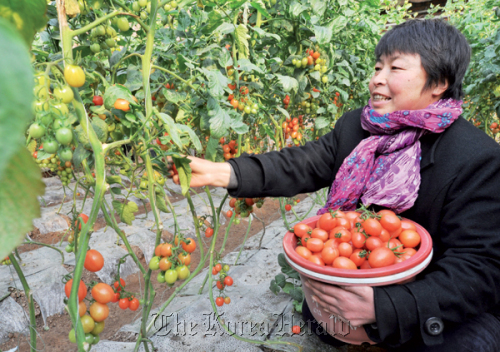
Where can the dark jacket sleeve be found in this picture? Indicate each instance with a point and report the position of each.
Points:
(288, 172)
(464, 278)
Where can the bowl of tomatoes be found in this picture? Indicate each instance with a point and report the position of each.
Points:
(352, 249)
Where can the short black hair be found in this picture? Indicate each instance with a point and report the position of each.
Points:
(443, 49)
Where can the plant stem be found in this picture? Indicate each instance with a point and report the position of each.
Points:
(31, 303)
(244, 239)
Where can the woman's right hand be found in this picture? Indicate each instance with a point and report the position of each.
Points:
(205, 173)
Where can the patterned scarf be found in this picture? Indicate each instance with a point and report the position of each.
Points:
(392, 179)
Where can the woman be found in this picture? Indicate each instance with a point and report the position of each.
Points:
(408, 150)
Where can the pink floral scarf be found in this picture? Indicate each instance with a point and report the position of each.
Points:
(392, 179)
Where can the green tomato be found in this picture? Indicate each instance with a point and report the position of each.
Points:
(154, 263)
(64, 136)
(50, 146)
(36, 130)
(61, 108)
(171, 276)
(72, 336)
(110, 30)
(88, 323)
(182, 272)
(41, 105)
(317, 67)
(173, 4)
(225, 268)
(89, 338)
(143, 3)
(304, 62)
(324, 69)
(66, 154)
(95, 48)
(148, 7)
(255, 106)
(161, 277)
(136, 7)
(96, 340)
(144, 16)
(123, 24)
(98, 328)
(324, 79)
(254, 111)
(64, 93)
(69, 248)
(83, 7)
(58, 123)
(110, 42)
(41, 92)
(167, 8)
(100, 30)
(47, 119)
(96, 5)
(298, 64)
(248, 109)
(143, 185)
(104, 46)
(294, 62)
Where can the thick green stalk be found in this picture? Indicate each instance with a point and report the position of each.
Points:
(31, 303)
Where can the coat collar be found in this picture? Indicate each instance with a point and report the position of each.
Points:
(429, 143)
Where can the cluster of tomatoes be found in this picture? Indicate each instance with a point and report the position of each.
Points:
(290, 202)
(353, 239)
(313, 61)
(229, 149)
(173, 260)
(71, 237)
(293, 127)
(102, 294)
(6, 261)
(104, 37)
(244, 206)
(222, 281)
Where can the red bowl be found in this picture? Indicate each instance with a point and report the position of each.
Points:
(393, 274)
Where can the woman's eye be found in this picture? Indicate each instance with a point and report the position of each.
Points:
(396, 68)
(377, 68)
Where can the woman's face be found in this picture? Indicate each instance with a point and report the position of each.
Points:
(398, 83)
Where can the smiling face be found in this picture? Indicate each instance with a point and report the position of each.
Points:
(398, 83)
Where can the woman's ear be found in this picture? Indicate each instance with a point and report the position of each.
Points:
(440, 88)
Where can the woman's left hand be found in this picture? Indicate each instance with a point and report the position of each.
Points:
(354, 304)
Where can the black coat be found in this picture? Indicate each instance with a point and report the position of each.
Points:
(458, 203)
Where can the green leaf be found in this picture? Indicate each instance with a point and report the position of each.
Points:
(28, 16)
(216, 82)
(211, 152)
(259, 6)
(225, 58)
(126, 212)
(288, 83)
(296, 9)
(282, 261)
(220, 120)
(288, 287)
(161, 204)
(173, 96)
(116, 190)
(241, 36)
(274, 287)
(184, 170)
(321, 122)
(80, 154)
(319, 7)
(283, 111)
(323, 34)
(280, 280)
(214, 21)
(134, 78)
(237, 4)
(338, 24)
(16, 91)
(270, 132)
(297, 294)
(184, 21)
(246, 65)
(206, 49)
(225, 28)
(171, 129)
(298, 306)
(238, 126)
(101, 129)
(20, 185)
(117, 92)
(263, 33)
(192, 135)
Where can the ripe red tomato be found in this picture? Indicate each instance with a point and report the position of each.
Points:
(344, 263)
(123, 303)
(116, 297)
(303, 252)
(345, 249)
(372, 227)
(409, 238)
(373, 242)
(301, 229)
(316, 259)
(228, 281)
(327, 222)
(315, 244)
(341, 234)
(358, 239)
(97, 100)
(166, 249)
(227, 300)
(189, 245)
(288, 207)
(244, 90)
(184, 258)
(329, 254)
(220, 285)
(94, 260)
(98, 311)
(122, 104)
(218, 267)
(234, 103)
(209, 232)
(389, 221)
(319, 233)
(406, 225)
(117, 285)
(219, 301)
(295, 329)
(82, 289)
(380, 257)
(229, 213)
(134, 304)
(359, 256)
(102, 293)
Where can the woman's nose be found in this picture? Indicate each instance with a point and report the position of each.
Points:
(380, 77)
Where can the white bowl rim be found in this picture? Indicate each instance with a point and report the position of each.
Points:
(363, 281)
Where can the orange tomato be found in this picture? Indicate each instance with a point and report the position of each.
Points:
(344, 263)
(122, 104)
